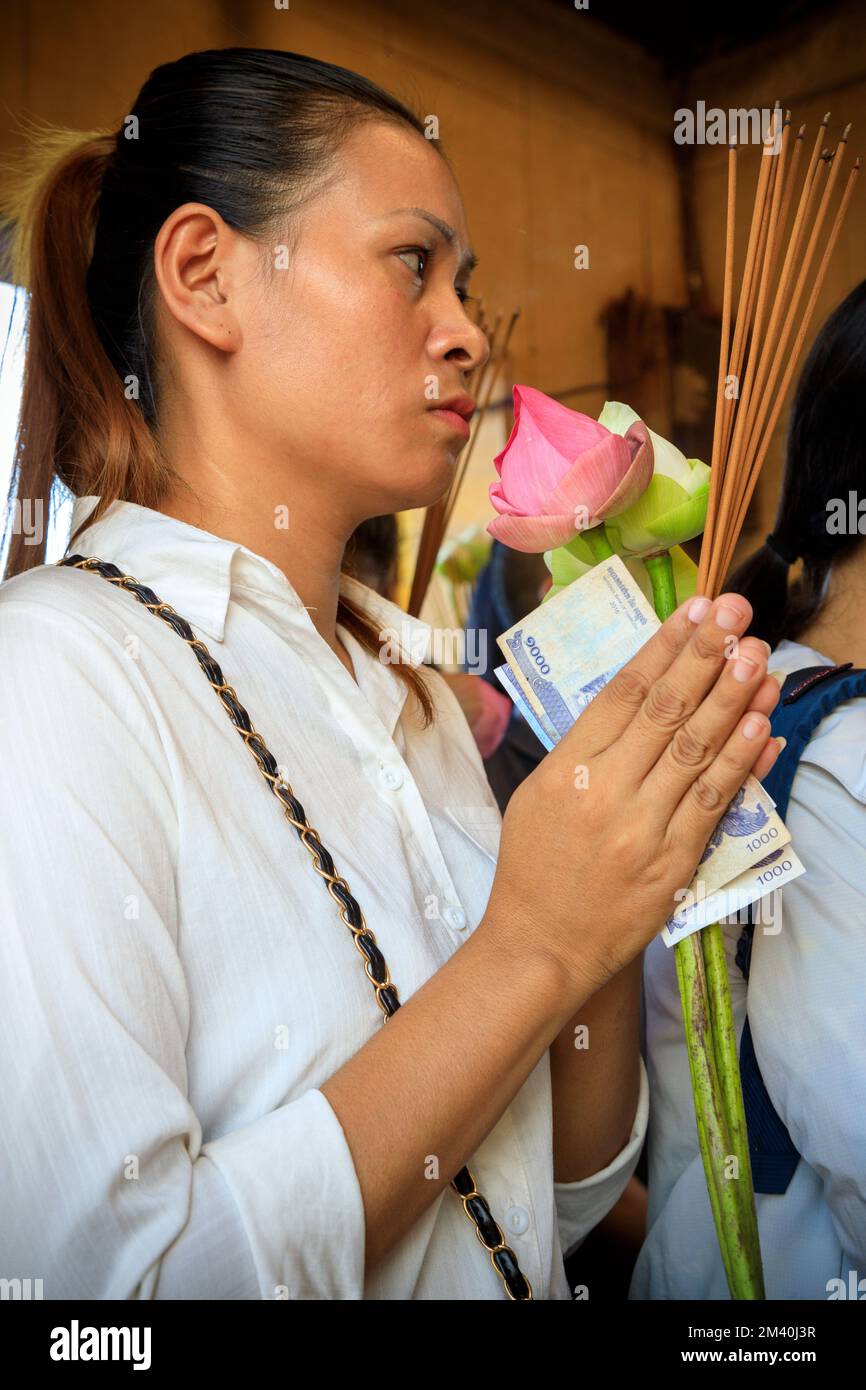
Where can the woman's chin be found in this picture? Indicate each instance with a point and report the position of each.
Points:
(427, 487)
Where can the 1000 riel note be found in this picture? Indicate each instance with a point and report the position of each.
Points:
(772, 873)
(562, 654)
(567, 649)
(536, 720)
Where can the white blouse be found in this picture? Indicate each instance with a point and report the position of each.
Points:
(806, 1012)
(175, 982)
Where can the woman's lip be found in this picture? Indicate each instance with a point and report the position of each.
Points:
(456, 422)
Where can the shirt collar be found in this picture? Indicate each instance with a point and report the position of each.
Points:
(196, 571)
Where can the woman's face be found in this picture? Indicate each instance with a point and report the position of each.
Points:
(347, 348)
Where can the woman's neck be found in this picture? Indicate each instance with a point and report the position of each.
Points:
(308, 554)
(839, 629)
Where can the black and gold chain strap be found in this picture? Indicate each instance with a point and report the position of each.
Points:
(502, 1257)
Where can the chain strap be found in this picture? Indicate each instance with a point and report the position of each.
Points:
(502, 1257)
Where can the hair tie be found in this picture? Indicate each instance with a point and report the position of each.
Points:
(775, 543)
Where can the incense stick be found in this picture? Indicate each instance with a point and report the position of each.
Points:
(724, 348)
(794, 355)
(771, 323)
(758, 416)
(744, 307)
(774, 198)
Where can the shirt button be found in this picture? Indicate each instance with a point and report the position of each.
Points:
(390, 777)
(517, 1220)
(455, 917)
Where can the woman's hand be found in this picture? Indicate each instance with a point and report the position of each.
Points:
(598, 839)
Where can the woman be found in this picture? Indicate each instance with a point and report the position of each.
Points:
(803, 1061)
(239, 302)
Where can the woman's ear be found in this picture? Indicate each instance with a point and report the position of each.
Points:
(196, 266)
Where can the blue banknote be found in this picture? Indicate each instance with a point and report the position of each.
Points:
(560, 656)
(547, 737)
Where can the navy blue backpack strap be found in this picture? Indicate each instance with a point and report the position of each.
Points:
(808, 696)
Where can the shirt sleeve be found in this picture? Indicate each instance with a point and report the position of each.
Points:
(581, 1205)
(106, 1188)
(806, 998)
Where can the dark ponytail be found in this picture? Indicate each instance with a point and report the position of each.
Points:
(253, 134)
(75, 420)
(825, 465)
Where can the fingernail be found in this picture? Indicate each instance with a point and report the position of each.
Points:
(727, 616)
(743, 669)
(753, 727)
(779, 676)
(782, 742)
(765, 644)
(698, 609)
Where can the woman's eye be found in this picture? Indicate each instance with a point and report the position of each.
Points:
(416, 251)
(423, 254)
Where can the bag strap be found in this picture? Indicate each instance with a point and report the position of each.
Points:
(502, 1257)
(808, 696)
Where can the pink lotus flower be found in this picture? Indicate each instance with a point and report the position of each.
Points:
(562, 472)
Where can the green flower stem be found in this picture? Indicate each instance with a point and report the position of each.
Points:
(705, 997)
(598, 543)
(747, 1250)
(661, 575)
(709, 1115)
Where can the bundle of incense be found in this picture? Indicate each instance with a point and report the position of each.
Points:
(437, 517)
(783, 271)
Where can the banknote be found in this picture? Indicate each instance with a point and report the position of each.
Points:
(546, 736)
(564, 652)
(749, 830)
(773, 872)
(718, 904)
(568, 648)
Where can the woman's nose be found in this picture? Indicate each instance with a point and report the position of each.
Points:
(464, 343)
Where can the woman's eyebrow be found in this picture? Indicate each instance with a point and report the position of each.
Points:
(468, 261)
